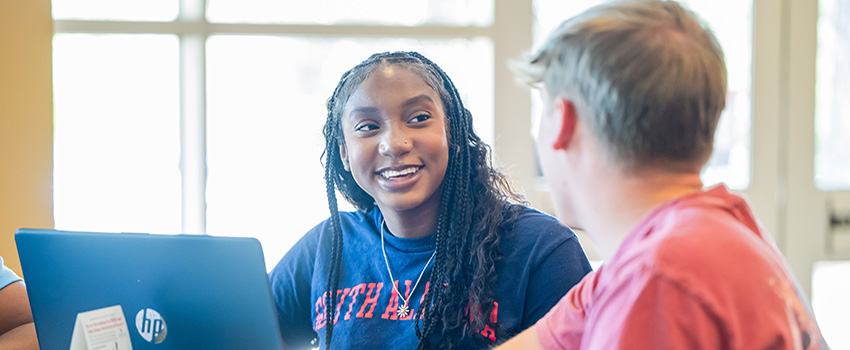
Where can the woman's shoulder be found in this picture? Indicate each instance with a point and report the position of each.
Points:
(537, 237)
(532, 221)
(531, 229)
(347, 219)
(306, 248)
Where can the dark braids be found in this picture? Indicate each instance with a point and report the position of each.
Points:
(333, 132)
(459, 299)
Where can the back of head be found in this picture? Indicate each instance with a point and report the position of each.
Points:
(646, 76)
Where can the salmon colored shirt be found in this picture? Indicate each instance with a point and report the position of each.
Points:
(697, 273)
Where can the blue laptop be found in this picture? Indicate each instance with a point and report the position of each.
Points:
(175, 291)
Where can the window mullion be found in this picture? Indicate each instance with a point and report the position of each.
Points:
(193, 10)
(193, 118)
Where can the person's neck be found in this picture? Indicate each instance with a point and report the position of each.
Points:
(620, 200)
(411, 223)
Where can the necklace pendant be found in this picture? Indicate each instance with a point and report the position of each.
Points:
(403, 310)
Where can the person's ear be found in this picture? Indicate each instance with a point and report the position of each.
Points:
(566, 111)
(343, 156)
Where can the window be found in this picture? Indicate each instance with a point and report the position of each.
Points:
(331, 12)
(205, 117)
(832, 146)
(830, 285)
(175, 117)
(116, 132)
(830, 288)
(125, 10)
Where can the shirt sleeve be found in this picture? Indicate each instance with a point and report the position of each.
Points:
(7, 276)
(291, 281)
(653, 312)
(559, 271)
(563, 326)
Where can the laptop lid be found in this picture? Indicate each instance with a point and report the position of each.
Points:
(175, 291)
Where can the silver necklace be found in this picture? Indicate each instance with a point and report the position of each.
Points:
(403, 309)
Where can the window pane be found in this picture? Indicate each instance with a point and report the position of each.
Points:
(832, 145)
(830, 288)
(116, 132)
(119, 10)
(731, 21)
(391, 12)
(266, 108)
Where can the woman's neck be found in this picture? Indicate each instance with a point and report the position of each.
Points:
(412, 223)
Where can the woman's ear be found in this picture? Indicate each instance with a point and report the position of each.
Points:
(343, 156)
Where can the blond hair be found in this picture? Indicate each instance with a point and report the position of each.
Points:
(648, 77)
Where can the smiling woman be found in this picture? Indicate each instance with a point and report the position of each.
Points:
(400, 147)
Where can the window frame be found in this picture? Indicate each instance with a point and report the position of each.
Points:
(510, 32)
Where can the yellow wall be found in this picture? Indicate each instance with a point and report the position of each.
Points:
(26, 121)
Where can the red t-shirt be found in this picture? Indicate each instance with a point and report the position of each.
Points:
(697, 273)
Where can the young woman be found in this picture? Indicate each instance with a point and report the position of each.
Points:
(435, 256)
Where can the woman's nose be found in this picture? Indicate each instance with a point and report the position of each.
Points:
(395, 143)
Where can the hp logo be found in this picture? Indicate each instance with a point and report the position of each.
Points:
(151, 325)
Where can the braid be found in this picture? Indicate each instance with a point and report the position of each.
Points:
(333, 275)
(336, 245)
(438, 274)
(433, 297)
(470, 220)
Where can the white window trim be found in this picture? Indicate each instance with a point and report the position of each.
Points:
(510, 32)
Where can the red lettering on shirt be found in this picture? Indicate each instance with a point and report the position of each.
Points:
(339, 304)
(371, 293)
(370, 300)
(320, 312)
(392, 307)
(411, 311)
(494, 316)
(354, 293)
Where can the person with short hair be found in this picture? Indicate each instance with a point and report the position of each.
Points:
(633, 91)
(17, 330)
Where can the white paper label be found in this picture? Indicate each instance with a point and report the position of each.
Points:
(101, 329)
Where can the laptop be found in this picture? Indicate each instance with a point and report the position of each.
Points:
(166, 291)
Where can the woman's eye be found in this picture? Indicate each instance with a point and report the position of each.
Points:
(366, 127)
(420, 118)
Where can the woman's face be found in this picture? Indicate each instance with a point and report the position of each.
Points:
(396, 146)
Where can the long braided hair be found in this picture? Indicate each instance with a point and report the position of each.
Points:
(470, 221)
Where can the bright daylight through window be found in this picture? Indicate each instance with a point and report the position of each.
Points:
(118, 136)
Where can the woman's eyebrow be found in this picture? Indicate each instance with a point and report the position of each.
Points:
(364, 109)
(409, 102)
(417, 99)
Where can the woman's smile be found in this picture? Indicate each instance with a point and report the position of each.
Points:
(398, 178)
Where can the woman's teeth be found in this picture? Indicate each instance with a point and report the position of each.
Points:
(392, 173)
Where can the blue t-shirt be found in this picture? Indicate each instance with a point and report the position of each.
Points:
(7, 276)
(542, 261)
